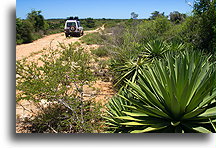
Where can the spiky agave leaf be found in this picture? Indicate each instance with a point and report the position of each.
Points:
(176, 94)
(175, 46)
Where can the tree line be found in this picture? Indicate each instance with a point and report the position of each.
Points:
(174, 16)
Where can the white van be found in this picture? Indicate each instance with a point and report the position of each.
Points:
(73, 27)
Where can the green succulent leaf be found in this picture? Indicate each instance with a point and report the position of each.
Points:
(135, 114)
(128, 118)
(201, 130)
(148, 129)
(132, 123)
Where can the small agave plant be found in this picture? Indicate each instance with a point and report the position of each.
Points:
(176, 94)
(129, 70)
(155, 49)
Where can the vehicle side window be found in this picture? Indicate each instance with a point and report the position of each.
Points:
(78, 23)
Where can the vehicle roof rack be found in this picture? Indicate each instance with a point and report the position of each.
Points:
(73, 18)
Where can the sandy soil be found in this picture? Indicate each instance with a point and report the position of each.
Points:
(32, 51)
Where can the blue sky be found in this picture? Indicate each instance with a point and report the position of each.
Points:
(100, 8)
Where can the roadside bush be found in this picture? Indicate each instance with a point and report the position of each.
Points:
(189, 32)
(92, 38)
(32, 28)
(198, 30)
(145, 41)
(60, 81)
(37, 20)
(24, 31)
(56, 118)
(88, 23)
(161, 25)
(153, 29)
(54, 26)
(100, 51)
(127, 42)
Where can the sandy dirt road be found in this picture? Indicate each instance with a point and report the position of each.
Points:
(28, 50)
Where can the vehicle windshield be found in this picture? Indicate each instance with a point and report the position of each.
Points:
(69, 24)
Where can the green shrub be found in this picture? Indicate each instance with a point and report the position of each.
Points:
(189, 31)
(56, 118)
(100, 51)
(103, 64)
(197, 30)
(35, 27)
(128, 41)
(37, 20)
(206, 12)
(161, 25)
(90, 23)
(92, 38)
(176, 94)
(60, 79)
(153, 29)
(24, 31)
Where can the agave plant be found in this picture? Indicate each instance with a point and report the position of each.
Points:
(129, 70)
(115, 107)
(176, 94)
(175, 46)
(155, 49)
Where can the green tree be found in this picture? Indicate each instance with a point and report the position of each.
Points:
(19, 25)
(156, 14)
(24, 31)
(202, 6)
(205, 10)
(37, 20)
(134, 15)
(177, 17)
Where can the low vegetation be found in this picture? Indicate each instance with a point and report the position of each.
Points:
(92, 38)
(100, 51)
(59, 82)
